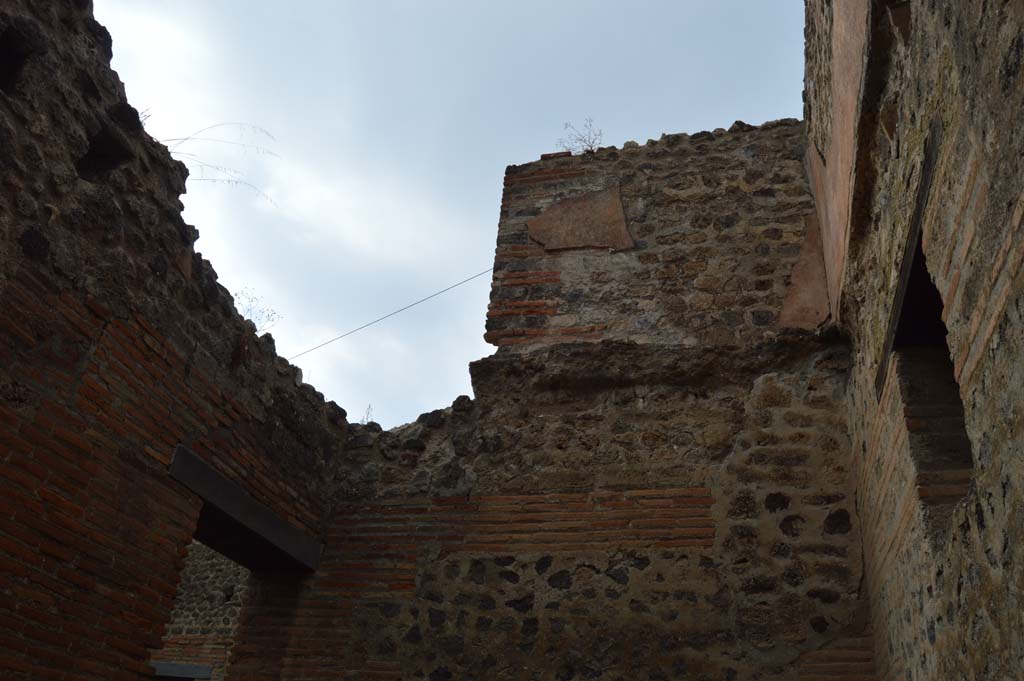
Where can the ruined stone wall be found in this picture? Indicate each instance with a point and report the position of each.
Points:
(715, 223)
(669, 497)
(940, 145)
(116, 345)
(204, 623)
(818, 79)
(669, 469)
(624, 527)
(639, 501)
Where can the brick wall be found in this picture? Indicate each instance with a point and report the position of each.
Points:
(940, 81)
(116, 345)
(652, 478)
(850, 658)
(672, 580)
(620, 509)
(674, 488)
(656, 477)
(912, 477)
(708, 229)
(204, 623)
(94, 528)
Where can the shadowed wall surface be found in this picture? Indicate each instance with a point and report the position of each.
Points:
(937, 160)
(708, 446)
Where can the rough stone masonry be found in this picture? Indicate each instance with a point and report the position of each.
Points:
(754, 413)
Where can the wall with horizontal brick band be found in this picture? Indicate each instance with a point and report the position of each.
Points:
(907, 501)
(94, 527)
(689, 239)
(660, 476)
(654, 521)
(938, 149)
(600, 507)
(652, 478)
(116, 345)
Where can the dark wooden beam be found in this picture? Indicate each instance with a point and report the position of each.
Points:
(240, 527)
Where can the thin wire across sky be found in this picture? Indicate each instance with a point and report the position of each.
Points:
(390, 314)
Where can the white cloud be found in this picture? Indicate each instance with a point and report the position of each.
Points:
(393, 124)
(144, 35)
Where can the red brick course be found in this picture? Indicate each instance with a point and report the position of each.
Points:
(92, 530)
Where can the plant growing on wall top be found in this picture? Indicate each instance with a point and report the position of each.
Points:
(579, 141)
(250, 139)
(251, 307)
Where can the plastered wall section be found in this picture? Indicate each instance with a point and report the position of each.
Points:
(836, 37)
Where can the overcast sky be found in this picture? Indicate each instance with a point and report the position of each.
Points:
(392, 124)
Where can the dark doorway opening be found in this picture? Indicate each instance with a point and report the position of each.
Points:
(932, 405)
(243, 557)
